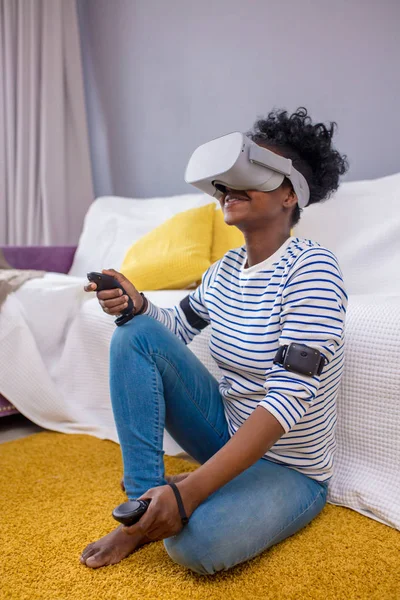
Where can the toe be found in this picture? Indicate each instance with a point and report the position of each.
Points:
(88, 551)
(96, 560)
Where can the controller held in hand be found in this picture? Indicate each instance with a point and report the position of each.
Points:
(130, 512)
(107, 282)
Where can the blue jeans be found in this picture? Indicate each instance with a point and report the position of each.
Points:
(157, 382)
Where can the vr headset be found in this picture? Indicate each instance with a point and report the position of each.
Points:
(235, 161)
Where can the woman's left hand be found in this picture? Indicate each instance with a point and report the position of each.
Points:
(162, 519)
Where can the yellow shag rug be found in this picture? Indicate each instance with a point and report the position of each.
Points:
(57, 493)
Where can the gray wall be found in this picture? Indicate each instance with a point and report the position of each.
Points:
(166, 75)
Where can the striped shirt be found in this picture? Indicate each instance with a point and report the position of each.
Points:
(295, 295)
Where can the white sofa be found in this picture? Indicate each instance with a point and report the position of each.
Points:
(64, 361)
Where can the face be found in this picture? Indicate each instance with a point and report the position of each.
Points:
(252, 209)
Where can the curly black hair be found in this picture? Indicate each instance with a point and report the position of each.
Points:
(308, 146)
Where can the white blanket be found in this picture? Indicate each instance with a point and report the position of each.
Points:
(58, 338)
(54, 345)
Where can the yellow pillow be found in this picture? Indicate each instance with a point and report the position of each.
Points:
(175, 254)
(225, 237)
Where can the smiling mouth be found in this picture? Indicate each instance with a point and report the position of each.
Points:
(231, 199)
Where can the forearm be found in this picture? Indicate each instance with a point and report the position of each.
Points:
(252, 440)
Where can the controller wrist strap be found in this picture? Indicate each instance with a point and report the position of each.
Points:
(144, 305)
(181, 508)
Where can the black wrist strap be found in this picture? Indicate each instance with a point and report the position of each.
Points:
(178, 497)
(144, 305)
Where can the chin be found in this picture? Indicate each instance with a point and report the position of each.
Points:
(231, 218)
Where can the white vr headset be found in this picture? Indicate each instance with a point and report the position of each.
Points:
(235, 161)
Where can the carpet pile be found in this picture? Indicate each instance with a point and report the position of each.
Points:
(57, 492)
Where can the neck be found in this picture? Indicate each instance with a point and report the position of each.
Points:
(262, 244)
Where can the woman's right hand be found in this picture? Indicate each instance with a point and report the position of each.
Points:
(112, 301)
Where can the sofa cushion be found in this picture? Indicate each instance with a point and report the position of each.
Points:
(175, 254)
(112, 224)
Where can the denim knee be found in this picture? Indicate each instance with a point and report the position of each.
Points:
(189, 550)
(131, 331)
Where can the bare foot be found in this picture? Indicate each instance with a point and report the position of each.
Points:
(111, 548)
(169, 478)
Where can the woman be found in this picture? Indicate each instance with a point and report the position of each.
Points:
(264, 436)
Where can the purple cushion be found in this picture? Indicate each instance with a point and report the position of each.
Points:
(6, 408)
(57, 259)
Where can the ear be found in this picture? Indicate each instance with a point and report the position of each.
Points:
(290, 199)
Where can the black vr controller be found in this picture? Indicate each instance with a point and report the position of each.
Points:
(107, 282)
(130, 512)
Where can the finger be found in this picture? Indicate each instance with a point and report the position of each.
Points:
(118, 276)
(146, 496)
(114, 302)
(164, 530)
(140, 526)
(116, 310)
(149, 519)
(109, 294)
(149, 494)
(90, 287)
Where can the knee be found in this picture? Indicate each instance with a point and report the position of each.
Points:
(189, 551)
(130, 333)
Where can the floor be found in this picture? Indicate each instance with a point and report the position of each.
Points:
(14, 427)
(17, 426)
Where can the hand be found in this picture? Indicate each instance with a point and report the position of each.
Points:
(162, 519)
(112, 301)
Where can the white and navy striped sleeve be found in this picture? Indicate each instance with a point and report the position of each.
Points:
(190, 316)
(313, 313)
